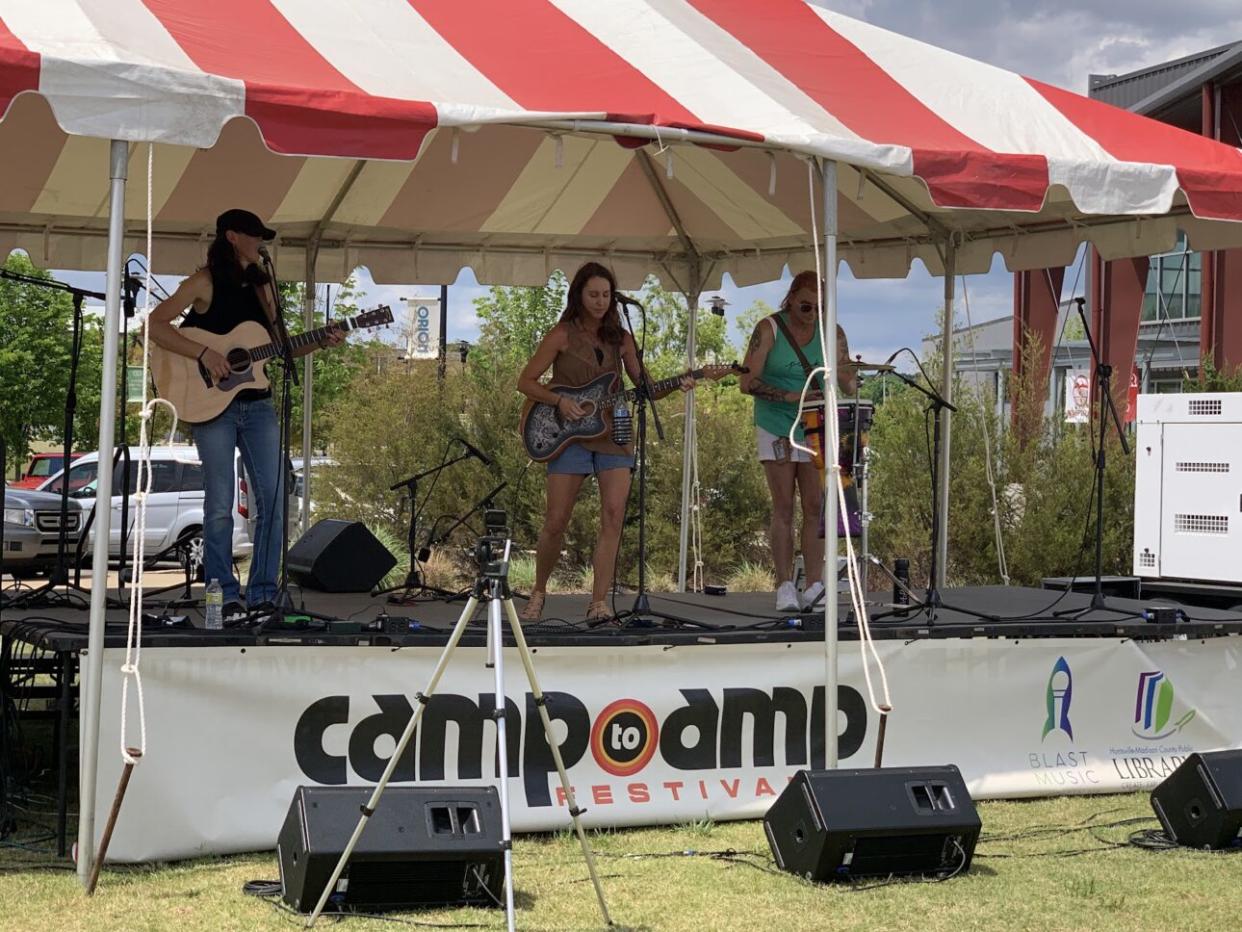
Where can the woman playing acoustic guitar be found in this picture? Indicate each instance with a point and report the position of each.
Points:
(587, 342)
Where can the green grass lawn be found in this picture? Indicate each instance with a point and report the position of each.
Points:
(1042, 865)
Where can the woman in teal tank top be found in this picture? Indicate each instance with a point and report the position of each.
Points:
(775, 379)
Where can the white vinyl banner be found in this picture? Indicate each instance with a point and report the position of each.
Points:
(1077, 396)
(650, 735)
(424, 334)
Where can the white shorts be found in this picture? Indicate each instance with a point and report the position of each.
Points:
(778, 449)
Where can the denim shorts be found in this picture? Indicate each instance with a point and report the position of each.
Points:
(577, 460)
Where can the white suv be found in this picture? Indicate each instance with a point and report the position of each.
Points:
(174, 506)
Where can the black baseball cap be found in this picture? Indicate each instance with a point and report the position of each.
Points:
(243, 221)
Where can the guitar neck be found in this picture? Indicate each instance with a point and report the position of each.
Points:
(656, 387)
(268, 350)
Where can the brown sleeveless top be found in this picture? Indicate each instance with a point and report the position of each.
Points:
(577, 365)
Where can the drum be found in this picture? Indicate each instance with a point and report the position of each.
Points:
(854, 419)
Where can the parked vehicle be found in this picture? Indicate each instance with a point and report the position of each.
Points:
(174, 505)
(42, 466)
(32, 531)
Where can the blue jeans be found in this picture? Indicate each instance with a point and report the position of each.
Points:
(252, 428)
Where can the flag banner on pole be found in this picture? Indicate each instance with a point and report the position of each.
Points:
(423, 339)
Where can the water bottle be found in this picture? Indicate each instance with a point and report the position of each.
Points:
(901, 592)
(215, 606)
(622, 424)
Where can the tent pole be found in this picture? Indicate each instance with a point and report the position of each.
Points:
(828, 326)
(308, 373)
(946, 416)
(689, 436)
(91, 683)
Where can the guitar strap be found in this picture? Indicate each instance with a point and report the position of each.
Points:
(807, 368)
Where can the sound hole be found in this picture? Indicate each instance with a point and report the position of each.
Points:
(239, 359)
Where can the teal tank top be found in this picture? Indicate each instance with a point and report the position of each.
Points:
(784, 370)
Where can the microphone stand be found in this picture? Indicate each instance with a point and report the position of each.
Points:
(59, 576)
(289, 380)
(931, 601)
(414, 584)
(640, 614)
(1106, 410)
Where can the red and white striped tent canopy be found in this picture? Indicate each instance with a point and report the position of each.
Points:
(420, 136)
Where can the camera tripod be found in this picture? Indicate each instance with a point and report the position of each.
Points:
(491, 586)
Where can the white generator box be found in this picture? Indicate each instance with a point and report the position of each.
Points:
(1188, 487)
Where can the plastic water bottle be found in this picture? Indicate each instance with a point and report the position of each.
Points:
(215, 606)
(622, 424)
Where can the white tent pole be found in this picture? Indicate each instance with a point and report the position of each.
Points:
(946, 417)
(828, 324)
(91, 684)
(308, 373)
(689, 436)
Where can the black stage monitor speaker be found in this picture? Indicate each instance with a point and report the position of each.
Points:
(424, 846)
(840, 824)
(1200, 803)
(339, 556)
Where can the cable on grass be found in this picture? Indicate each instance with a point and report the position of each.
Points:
(893, 881)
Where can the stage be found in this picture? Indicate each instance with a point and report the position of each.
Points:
(704, 712)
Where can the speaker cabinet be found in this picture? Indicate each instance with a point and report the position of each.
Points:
(1200, 803)
(339, 556)
(840, 824)
(424, 846)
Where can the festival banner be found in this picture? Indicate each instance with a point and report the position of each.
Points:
(650, 734)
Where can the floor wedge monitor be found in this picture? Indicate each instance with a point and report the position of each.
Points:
(424, 846)
(840, 824)
(1200, 803)
(339, 556)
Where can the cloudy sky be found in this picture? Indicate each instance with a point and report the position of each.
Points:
(1058, 41)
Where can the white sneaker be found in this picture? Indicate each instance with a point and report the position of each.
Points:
(812, 595)
(787, 597)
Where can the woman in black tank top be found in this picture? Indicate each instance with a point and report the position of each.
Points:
(230, 290)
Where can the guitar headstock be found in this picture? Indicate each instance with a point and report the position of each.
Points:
(718, 371)
(377, 317)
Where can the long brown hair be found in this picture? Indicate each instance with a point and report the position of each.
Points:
(801, 280)
(223, 262)
(610, 329)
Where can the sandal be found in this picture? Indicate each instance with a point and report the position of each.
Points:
(599, 612)
(534, 607)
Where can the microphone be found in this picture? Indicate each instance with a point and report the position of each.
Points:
(625, 299)
(130, 286)
(267, 257)
(475, 452)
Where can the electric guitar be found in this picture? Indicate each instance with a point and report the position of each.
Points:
(186, 383)
(545, 433)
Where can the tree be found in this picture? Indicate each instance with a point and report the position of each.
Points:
(35, 348)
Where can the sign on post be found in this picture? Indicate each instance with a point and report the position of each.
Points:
(423, 341)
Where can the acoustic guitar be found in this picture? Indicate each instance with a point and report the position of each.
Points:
(186, 383)
(545, 433)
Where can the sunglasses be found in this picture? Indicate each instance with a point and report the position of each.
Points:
(806, 307)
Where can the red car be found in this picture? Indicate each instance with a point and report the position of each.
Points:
(42, 465)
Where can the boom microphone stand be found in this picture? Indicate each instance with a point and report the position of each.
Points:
(931, 601)
(641, 613)
(1105, 410)
(414, 585)
(46, 594)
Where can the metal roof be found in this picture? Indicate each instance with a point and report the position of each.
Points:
(1170, 91)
